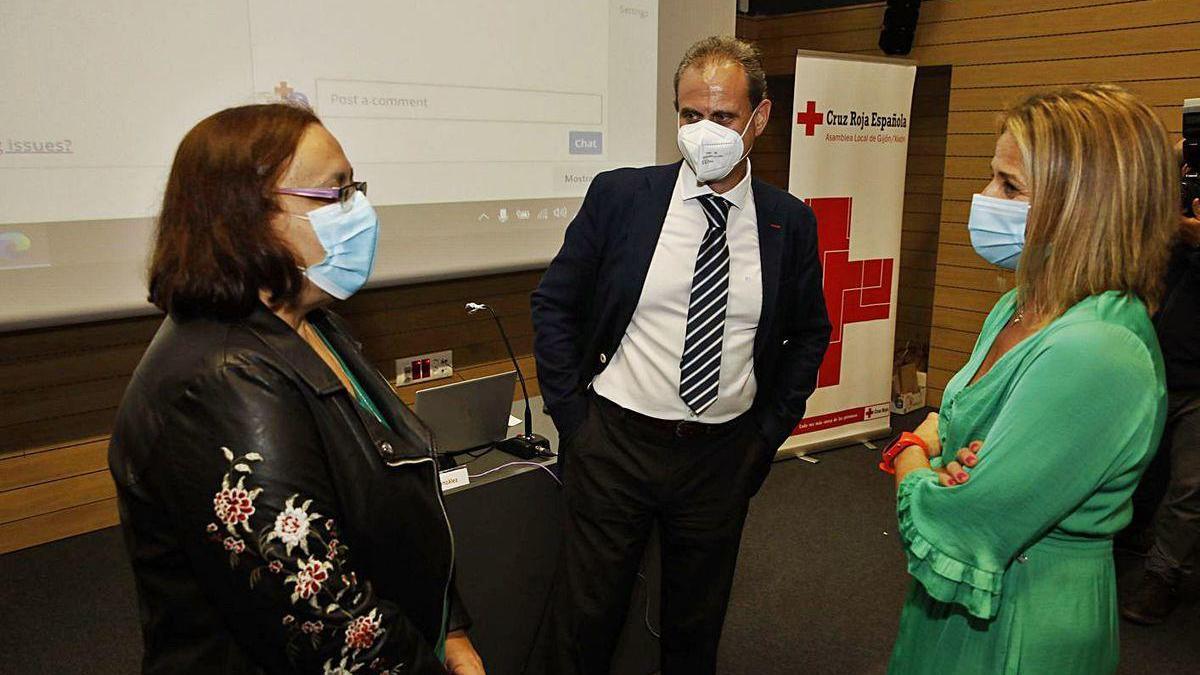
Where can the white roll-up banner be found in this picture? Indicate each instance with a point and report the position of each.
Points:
(849, 149)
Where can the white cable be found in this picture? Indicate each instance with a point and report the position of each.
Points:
(646, 586)
(543, 467)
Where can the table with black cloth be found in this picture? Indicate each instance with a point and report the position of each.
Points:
(507, 530)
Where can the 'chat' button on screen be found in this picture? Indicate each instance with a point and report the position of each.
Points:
(586, 142)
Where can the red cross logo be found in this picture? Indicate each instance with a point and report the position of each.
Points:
(810, 118)
(855, 290)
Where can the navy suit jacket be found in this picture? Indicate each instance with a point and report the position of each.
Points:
(583, 305)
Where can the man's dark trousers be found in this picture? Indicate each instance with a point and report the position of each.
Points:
(622, 473)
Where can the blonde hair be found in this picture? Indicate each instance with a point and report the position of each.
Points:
(1104, 193)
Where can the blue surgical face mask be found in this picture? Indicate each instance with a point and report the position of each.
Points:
(349, 237)
(997, 228)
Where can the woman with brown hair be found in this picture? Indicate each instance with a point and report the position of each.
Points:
(281, 506)
(1012, 566)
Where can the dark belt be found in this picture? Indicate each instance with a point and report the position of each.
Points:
(671, 428)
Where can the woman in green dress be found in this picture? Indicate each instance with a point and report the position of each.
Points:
(1064, 393)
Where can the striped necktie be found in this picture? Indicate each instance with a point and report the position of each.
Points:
(700, 367)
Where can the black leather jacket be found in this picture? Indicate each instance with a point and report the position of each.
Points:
(273, 524)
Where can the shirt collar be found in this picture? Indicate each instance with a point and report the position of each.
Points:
(690, 189)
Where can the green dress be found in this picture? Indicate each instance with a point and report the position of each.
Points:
(1013, 571)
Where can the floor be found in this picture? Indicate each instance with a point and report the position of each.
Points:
(819, 586)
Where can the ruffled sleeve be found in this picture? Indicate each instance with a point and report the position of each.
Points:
(1062, 433)
(944, 577)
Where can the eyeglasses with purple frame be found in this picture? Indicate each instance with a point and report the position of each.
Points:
(342, 194)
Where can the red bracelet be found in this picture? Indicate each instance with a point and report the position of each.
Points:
(887, 463)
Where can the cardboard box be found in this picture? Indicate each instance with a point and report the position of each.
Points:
(906, 399)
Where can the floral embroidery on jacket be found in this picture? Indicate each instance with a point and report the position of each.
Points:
(309, 579)
(341, 668)
(292, 525)
(235, 504)
(339, 605)
(361, 632)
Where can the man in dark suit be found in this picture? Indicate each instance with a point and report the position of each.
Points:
(679, 331)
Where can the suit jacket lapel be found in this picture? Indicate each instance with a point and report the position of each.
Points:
(643, 231)
(770, 252)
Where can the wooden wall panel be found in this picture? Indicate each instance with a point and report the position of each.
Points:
(18, 471)
(35, 500)
(999, 51)
(60, 387)
(56, 525)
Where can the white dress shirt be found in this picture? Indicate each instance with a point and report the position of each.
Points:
(643, 374)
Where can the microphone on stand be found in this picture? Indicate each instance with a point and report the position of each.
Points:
(528, 445)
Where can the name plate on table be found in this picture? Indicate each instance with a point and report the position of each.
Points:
(453, 478)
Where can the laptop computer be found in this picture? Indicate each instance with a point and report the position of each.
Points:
(468, 415)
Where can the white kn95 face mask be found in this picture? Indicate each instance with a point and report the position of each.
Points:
(711, 149)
